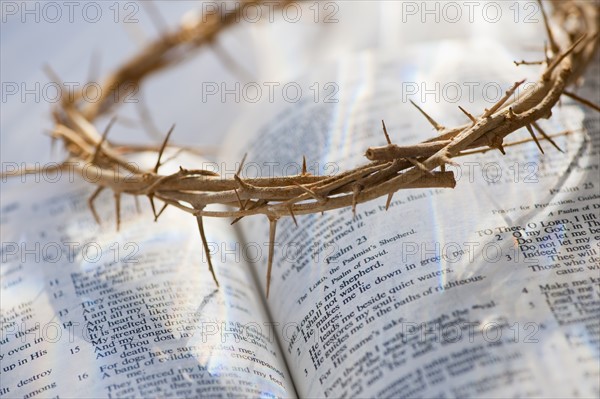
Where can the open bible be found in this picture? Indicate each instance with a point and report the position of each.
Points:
(488, 290)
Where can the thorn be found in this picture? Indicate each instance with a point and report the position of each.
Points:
(272, 229)
(419, 166)
(52, 145)
(310, 192)
(471, 117)
(389, 200)
(497, 142)
(387, 136)
(162, 148)
(118, 209)
(446, 159)
(237, 219)
(254, 205)
(355, 191)
(530, 130)
(509, 92)
(304, 170)
(160, 212)
(91, 203)
(435, 125)
(239, 171)
(501, 148)
(553, 46)
(205, 245)
(151, 198)
(541, 131)
(155, 15)
(239, 200)
(241, 183)
(293, 216)
(104, 135)
(175, 155)
(582, 100)
(557, 60)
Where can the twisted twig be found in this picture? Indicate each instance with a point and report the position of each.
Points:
(390, 169)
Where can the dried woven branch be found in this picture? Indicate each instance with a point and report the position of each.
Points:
(390, 169)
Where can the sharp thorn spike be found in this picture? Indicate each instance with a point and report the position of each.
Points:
(239, 170)
(533, 136)
(304, 169)
(448, 160)
(355, 192)
(160, 212)
(52, 145)
(509, 92)
(118, 209)
(234, 221)
(501, 149)
(310, 192)
(241, 183)
(436, 125)
(389, 200)
(151, 198)
(293, 216)
(419, 166)
(206, 250)
(272, 231)
(557, 60)
(541, 131)
(162, 148)
(91, 204)
(582, 100)
(103, 139)
(471, 117)
(239, 200)
(157, 18)
(553, 45)
(385, 132)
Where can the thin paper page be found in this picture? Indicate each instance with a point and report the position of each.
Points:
(490, 289)
(91, 312)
